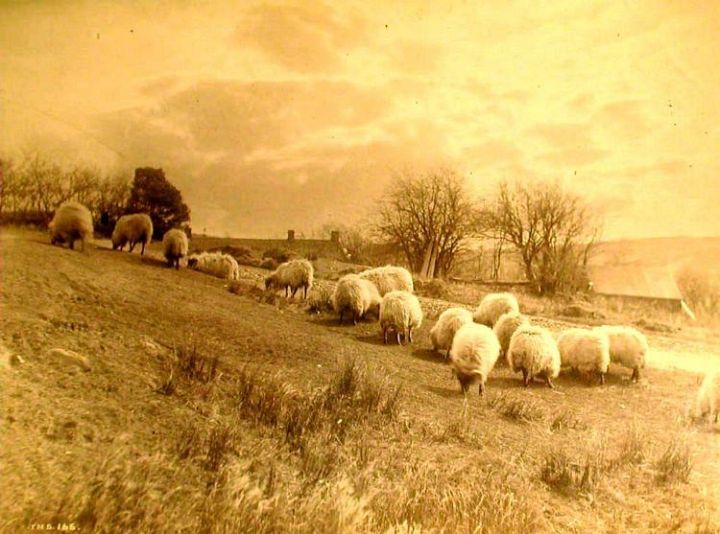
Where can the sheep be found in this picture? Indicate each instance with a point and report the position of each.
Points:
(493, 305)
(175, 246)
(707, 401)
(585, 350)
(215, 264)
(389, 278)
(628, 347)
(400, 311)
(505, 327)
(134, 228)
(475, 349)
(447, 325)
(292, 275)
(72, 221)
(533, 351)
(357, 296)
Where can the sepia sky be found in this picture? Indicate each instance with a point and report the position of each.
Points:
(271, 116)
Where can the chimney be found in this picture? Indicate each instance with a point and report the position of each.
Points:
(335, 236)
(291, 235)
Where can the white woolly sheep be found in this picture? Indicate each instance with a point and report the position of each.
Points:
(215, 264)
(389, 278)
(505, 327)
(707, 401)
(628, 347)
(475, 349)
(400, 311)
(357, 296)
(493, 305)
(447, 325)
(72, 221)
(292, 275)
(175, 246)
(533, 351)
(587, 351)
(132, 229)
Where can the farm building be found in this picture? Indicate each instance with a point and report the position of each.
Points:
(635, 285)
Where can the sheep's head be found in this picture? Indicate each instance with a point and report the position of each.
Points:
(192, 262)
(269, 282)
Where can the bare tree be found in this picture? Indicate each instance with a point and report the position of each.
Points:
(551, 228)
(427, 216)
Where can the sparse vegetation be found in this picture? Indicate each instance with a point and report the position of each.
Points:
(674, 465)
(520, 410)
(267, 420)
(573, 476)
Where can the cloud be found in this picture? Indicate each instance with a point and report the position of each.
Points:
(563, 135)
(624, 117)
(242, 117)
(574, 157)
(306, 38)
(492, 152)
(257, 158)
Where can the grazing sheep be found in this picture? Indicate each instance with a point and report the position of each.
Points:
(446, 327)
(628, 347)
(292, 275)
(357, 296)
(175, 246)
(505, 327)
(533, 351)
(493, 305)
(72, 221)
(585, 350)
(132, 229)
(475, 349)
(707, 401)
(389, 278)
(400, 311)
(215, 264)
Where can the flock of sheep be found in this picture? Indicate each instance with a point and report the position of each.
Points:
(473, 342)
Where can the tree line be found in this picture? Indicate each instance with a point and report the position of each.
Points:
(430, 217)
(34, 187)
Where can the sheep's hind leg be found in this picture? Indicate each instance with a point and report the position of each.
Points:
(526, 378)
(384, 335)
(410, 338)
(548, 381)
(142, 249)
(602, 379)
(481, 389)
(397, 335)
(635, 375)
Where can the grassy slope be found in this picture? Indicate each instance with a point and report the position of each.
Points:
(442, 463)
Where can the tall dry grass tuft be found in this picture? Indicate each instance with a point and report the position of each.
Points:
(675, 464)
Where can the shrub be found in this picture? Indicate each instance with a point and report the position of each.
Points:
(436, 288)
(269, 263)
(280, 255)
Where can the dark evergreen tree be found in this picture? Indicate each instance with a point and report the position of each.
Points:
(153, 194)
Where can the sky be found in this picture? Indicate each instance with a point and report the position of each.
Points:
(277, 115)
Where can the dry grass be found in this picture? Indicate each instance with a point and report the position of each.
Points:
(271, 421)
(674, 465)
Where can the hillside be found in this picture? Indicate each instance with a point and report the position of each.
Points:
(207, 411)
(665, 251)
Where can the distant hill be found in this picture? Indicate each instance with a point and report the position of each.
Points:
(672, 252)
